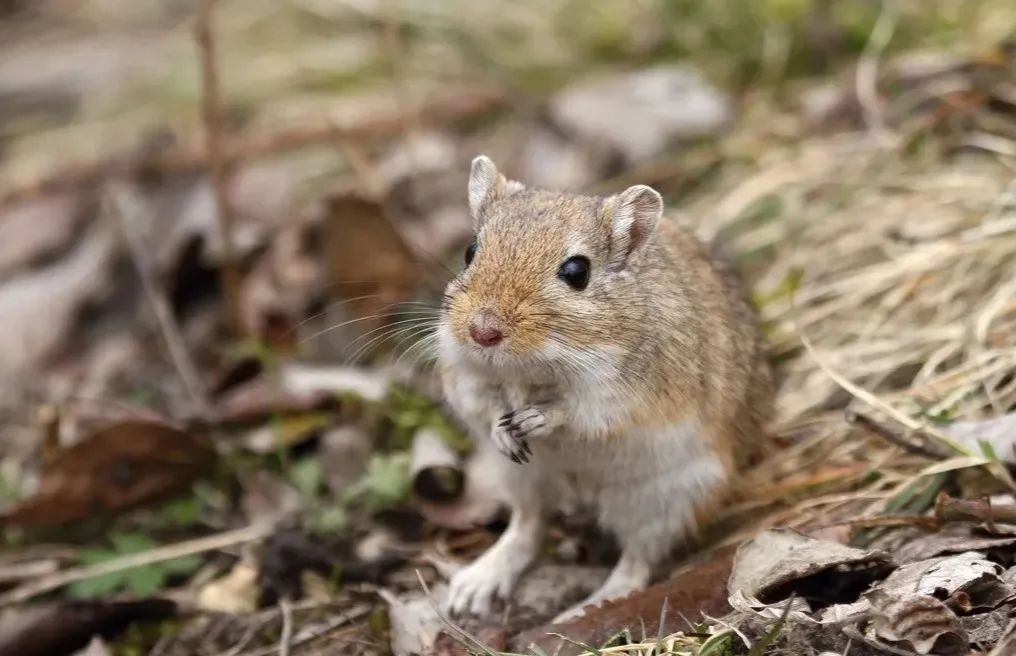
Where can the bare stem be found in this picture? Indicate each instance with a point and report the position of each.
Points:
(211, 109)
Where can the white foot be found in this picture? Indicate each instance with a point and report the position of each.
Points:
(494, 574)
(629, 575)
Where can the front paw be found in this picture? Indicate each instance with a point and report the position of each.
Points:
(513, 430)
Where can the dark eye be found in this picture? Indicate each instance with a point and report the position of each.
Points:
(575, 272)
(471, 252)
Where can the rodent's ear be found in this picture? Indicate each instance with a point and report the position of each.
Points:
(486, 184)
(636, 211)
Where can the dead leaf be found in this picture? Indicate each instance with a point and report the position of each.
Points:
(369, 268)
(38, 307)
(120, 467)
(35, 230)
(781, 562)
(65, 627)
(236, 592)
(689, 594)
(414, 621)
(954, 539)
(920, 622)
(966, 582)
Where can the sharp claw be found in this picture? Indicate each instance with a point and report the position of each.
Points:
(525, 447)
(523, 457)
(515, 459)
(505, 422)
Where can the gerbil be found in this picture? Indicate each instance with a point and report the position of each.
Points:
(611, 361)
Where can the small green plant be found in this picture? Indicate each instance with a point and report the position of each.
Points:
(384, 484)
(139, 581)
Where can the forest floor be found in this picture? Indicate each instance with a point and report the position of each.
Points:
(228, 439)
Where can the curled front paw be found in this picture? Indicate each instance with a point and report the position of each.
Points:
(513, 430)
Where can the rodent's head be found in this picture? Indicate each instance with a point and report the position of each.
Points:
(548, 272)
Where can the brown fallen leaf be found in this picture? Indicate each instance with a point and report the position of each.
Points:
(691, 593)
(780, 563)
(118, 468)
(369, 268)
(918, 621)
(951, 540)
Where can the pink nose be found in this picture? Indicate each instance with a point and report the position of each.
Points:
(485, 336)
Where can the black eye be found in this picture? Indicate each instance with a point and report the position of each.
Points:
(575, 272)
(471, 252)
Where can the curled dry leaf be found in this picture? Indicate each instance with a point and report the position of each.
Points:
(920, 622)
(120, 467)
(966, 582)
(779, 563)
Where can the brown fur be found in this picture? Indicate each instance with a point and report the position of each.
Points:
(688, 336)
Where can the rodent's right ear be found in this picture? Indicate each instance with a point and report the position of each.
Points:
(634, 214)
(486, 184)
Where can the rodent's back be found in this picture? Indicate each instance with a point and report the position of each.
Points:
(720, 334)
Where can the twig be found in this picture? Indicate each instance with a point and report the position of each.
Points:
(316, 631)
(950, 509)
(212, 115)
(158, 555)
(127, 211)
(886, 433)
(188, 155)
(286, 639)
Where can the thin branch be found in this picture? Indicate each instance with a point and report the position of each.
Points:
(211, 110)
(286, 639)
(125, 208)
(188, 154)
(201, 545)
(926, 450)
(950, 509)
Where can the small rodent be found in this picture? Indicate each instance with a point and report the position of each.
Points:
(611, 361)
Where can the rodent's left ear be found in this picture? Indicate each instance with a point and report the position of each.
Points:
(635, 213)
(485, 184)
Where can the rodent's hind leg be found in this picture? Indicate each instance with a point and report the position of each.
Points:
(494, 574)
(631, 573)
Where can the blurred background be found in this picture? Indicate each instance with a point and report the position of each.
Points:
(224, 228)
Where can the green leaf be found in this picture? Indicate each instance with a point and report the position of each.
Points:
(307, 476)
(330, 519)
(385, 483)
